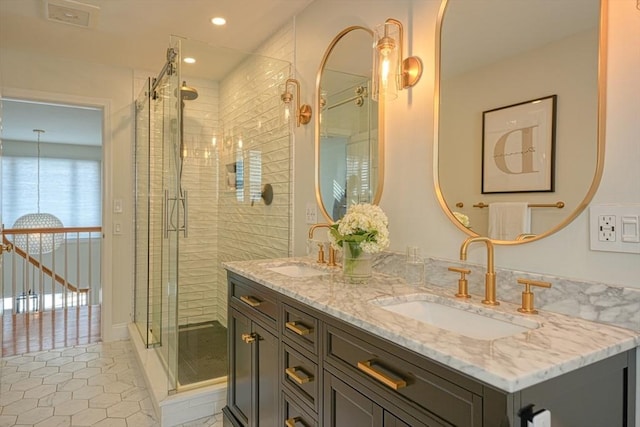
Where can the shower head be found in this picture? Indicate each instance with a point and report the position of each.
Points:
(188, 93)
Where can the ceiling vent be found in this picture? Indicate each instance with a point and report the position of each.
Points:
(72, 13)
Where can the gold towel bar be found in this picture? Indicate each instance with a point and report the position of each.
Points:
(558, 205)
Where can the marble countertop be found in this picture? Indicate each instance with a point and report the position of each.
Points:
(560, 344)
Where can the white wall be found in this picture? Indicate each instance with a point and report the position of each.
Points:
(409, 197)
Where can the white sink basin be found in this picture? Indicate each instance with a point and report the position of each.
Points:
(297, 270)
(458, 320)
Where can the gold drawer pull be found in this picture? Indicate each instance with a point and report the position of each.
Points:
(395, 384)
(291, 422)
(248, 338)
(293, 374)
(298, 328)
(250, 300)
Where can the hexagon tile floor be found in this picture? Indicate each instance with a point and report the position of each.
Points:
(87, 385)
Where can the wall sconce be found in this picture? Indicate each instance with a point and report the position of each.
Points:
(392, 72)
(303, 112)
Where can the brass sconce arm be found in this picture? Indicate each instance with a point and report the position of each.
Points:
(303, 112)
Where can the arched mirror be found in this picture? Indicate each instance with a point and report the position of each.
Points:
(349, 139)
(519, 114)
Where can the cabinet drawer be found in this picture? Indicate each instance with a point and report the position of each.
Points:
(300, 376)
(294, 415)
(254, 301)
(384, 370)
(301, 328)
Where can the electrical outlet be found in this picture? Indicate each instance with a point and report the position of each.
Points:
(607, 228)
(311, 213)
(615, 228)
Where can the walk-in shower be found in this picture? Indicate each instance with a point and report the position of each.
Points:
(201, 150)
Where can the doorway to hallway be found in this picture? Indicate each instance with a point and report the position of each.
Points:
(51, 269)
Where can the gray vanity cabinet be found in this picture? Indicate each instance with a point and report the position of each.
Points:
(253, 391)
(294, 366)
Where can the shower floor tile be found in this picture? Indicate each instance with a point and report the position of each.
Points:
(202, 352)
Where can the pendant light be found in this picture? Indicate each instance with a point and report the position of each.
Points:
(38, 242)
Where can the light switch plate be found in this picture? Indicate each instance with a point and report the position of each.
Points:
(117, 205)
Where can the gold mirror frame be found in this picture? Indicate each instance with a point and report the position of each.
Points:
(602, 62)
(317, 117)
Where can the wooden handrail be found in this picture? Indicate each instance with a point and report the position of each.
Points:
(45, 269)
(61, 230)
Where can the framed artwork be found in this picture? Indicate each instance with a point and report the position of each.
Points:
(518, 147)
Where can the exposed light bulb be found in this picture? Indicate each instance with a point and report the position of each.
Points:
(384, 73)
(287, 112)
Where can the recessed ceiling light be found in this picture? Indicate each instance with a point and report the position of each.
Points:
(189, 60)
(218, 20)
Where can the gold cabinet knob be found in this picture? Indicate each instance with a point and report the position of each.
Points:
(527, 296)
(463, 284)
(248, 338)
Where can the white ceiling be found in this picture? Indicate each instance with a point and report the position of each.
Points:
(129, 33)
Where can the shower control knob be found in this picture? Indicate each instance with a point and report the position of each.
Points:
(249, 338)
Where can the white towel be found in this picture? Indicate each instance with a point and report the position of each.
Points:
(508, 220)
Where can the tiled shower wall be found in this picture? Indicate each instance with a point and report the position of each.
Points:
(198, 251)
(252, 112)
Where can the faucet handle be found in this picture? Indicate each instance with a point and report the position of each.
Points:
(527, 295)
(332, 257)
(321, 253)
(463, 284)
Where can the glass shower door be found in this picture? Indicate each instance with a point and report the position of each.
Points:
(158, 217)
(142, 206)
(173, 219)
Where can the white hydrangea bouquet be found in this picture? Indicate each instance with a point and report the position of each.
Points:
(365, 225)
(363, 231)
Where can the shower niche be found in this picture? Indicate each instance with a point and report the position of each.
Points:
(207, 135)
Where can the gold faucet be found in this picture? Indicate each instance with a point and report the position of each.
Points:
(490, 277)
(332, 252)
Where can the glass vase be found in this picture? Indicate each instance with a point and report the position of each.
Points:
(356, 264)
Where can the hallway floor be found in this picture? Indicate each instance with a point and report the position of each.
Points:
(30, 332)
(95, 384)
